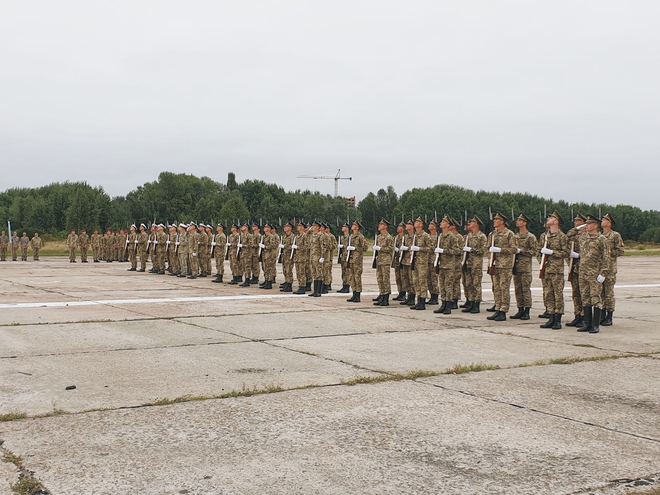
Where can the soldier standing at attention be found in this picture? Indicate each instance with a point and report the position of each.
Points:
(109, 247)
(209, 246)
(254, 240)
(269, 248)
(143, 240)
(574, 270)
(502, 247)
(472, 262)
(327, 267)
(203, 253)
(396, 263)
(421, 250)
(614, 250)
(355, 260)
(219, 247)
(183, 250)
(83, 242)
(448, 256)
(36, 246)
(193, 250)
(25, 244)
(316, 250)
(341, 259)
(15, 241)
(4, 242)
(232, 253)
(593, 271)
(434, 288)
(384, 252)
(300, 250)
(72, 243)
(453, 228)
(123, 246)
(522, 267)
(556, 250)
(406, 264)
(132, 248)
(161, 251)
(246, 254)
(96, 246)
(287, 260)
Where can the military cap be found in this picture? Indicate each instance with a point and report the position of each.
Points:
(608, 216)
(384, 222)
(477, 220)
(592, 219)
(235, 226)
(160, 225)
(192, 224)
(289, 223)
(402, 224)
(501, 217)
(454, 222)
(317, 223)
(255, 224)
(419, 219)
(244, 224)
(523, 217)
(410, 222)
(357, 222)
(269, 225)
(183, 225)
(133, 226)
(143, 225)
(222, 225)
(446, 218)
(580, 216)
(302, 222)
(556, 215)
(434, 221)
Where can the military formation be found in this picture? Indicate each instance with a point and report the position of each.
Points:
(432, 263)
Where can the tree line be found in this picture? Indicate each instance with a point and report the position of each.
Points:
(56, 208)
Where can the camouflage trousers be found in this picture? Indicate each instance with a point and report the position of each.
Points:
(174, 264)
(406, 279)
(317, 269)
(3, 253)
(287, 269)
(301, 272)
(183, 264)
(72, 254)
(590, 290)
(420, 279)
(160, 261)
(553, 293)
(574, 279)
(24, 254)
(220, 262)
(608, 292)
(522, 283)
(209, 264)
(246, 264)
(472, 279)
(35, 254)
(447, 283)
(95, 252)
(14, 254)
(270, 267)
(203, 263)
(143, 259)
(255, 269)
(433, 282)
(355, 276)
(501, 279)
(398, 278)
(344, 273)
(457, 284)
(83, 253)
(193, 264)
(383, 279)
(327, 272)
(132, 256)
(234, 264)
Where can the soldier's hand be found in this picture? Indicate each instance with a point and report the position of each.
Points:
(261, 245)
(321, 260)
(518, 250)
(438, 250)
(377, 248)
(404, 248)
(281, 246)
(240, 245)
(546, 251)
(575, 255)
(600, 279)
(494, 249)
(351, 248)
(396, 250)
(294, 246)
(467, 249)
(415, 248)
(194, 255)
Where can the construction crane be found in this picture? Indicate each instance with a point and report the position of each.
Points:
(336, 178)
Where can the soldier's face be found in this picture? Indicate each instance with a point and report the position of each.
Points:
(355, 229)
(433, 229)
(521, 224)
(399, 230)
(410, 228)
(498, 223)
(267, 230)
(551, 222)
(344, 230)
(592, 227)
(606, 224)
(287, 229)
(419, 226)
(444, 225)
(382, 228)
(579, 222)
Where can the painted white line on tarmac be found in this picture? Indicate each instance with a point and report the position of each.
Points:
(249, 297)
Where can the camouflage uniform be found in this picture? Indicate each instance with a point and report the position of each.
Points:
(271, 243)
(594, 261)
(132, 249)
(522, 268)
(161, 253)
(327, 267)
(234, 263)
(341, 259)
(614, 250)
(396, 264)
(25, 244)
(433, 283)
(4, 243)
(502, 270)
(96, 246)
(301, 260)
(193, 250)
(449, 265)
(83, 242)
(255, 266)
(420, 276)
(143, 238)
(384, 262)
(203, 252)
(405, 257)
(36, 247)
(184, 269)
(123, 246)
(355, 261)
(248, 241)
(220, 241)
(553, 281)
(287, 262)
(15, 242)
(457, 275)
(72, 242)
(473, 268)
(573, 236)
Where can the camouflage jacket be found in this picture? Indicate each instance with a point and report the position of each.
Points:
(451, 243)
(558, 242)
(593, 255)
(528, 249)
(386, 253)
(614, 249)
(479, 244)
(505, 240)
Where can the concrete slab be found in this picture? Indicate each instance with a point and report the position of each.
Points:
(390, 438)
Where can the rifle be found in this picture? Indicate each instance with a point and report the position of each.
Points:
(570, 261)
(176, 245)
(348, 251)
(148, 243)
(465, 252)
(401, 251)
(238, 249)
(294, 246)
(280, 253)
(544, 259)
(126, 244)
(226, 250)
(393, 254)
(261, 253)
(412, 255)
(340, 248)
(374, 260)
(491, 258)
(437, 255)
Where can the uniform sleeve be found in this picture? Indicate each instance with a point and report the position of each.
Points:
(605, 258)
(618, 246)
(563, 250)
(510, 245)
(388, 246)
(479, 247)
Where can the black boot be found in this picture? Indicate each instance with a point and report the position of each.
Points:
(454, 304)
(556, 322)
(500, 316)
(441, 309)
(421, 304)
(411, 300)
(324, 288)
(575, 322)
(545, 314)
(377, 299)
(355, 298)
(447, 310)
(314, 292)
(550, 322)
(465, 304)
(525, 315)
(287, 287)
(308, 286)
(246, 283)
(268, 285)
(607, 321)
(493, 316)
(217, 279)
(474, 309)
(255, 280)
(400, 297)
(385, 301)
(491, 309)
(233, 280)
(301, 290)
(586, 325)
(466, 307)
(518, 315)
(262, 283)
(595, 326)
(434, 300)
(345, 289)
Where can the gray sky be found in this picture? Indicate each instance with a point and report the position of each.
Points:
(559, 98)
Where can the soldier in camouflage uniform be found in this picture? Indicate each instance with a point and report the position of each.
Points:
(83, 242)
(111, 247)
(434, 288)
(399, 241)
(384, 252)
(123, 246)
(232, 253)
(316, 259)
(405, 258)
(355, 260)
(472, 262)
(502, 248)
(593, 271)
(254, 242)
(15, 242)
(4, 243)
(72, 243)
(300, 249)
(453, 227)
(522, 267)
(269, 249)
(203, 251)
(341, 259)
(556, 250)
(573, 236)
(161, 251)
(447, 261)
(25, 244)
(96, 246)
(327, 267)
(193, 251)
(246, 245)
(143, 239)
(209, 247)
(132, 248)
(287, 261)
(36, 246)
(219, 247)
(421, 249)
(615, 249)
(183, 251)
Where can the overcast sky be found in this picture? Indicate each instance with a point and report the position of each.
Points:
(559, 98)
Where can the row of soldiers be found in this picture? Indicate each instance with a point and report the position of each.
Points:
(109, 246)
(15, 244)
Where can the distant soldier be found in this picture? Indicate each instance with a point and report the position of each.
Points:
(209, 248)
(72, 243)
(355, 260)
(246, 246)
(341, 258)
(527, 248)
(287, 260)
(123, 245)
(396, 261)
(132, 247)
(172, 255)
(421, 250)
(574, 270)
(15, 242)
(4, 243)
(453, 228)
(269, 248)
(161, 248)
(232, 253)
(434, 288)
(555, 250)
(96, 246)
(143, 242)
(300, 249)
(219, 246)
(193, 249)
(447, 260)
(25, 244)
(203, 250)
(253, 240)
(327, 267)
(502, 244)
(593, 271)
(36, 246)
(405, 258)
(615, 249)
(474, 249)
(83, 242)
(116, 246)
(112, 247)
(183, 251)
(383, 252)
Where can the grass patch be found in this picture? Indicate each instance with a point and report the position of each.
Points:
(12, 458)
(27, 484)
(394, 377)
(460, 369)
(12, 416)
(572, 360)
